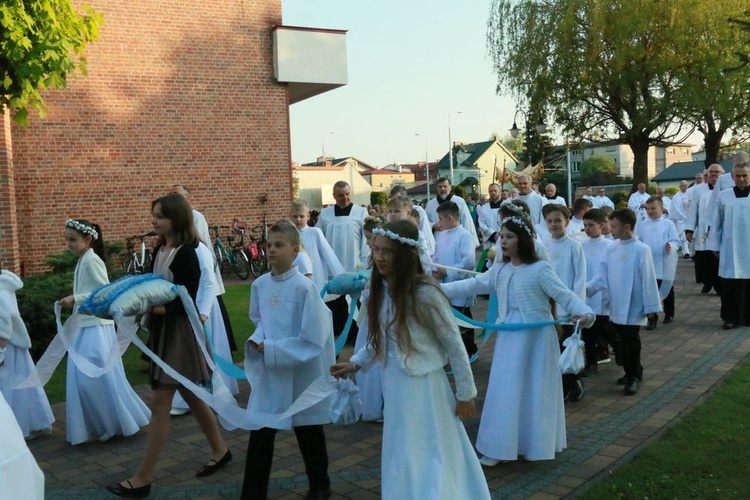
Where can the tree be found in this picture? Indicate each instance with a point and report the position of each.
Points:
(41, 44)
(602, 68)
(714, 82)
(599, 170)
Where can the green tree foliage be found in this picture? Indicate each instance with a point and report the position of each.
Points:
(714, 80)
(602, 68)
(378, 198)
(41, 44)
(559, 179)
(599, 170)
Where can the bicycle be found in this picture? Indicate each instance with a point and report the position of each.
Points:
(137, 262)
(234, 256)
(256, 250)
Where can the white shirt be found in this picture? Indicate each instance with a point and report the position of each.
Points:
(568, 261)
(455, 248)
(656, 233)
(595, 250)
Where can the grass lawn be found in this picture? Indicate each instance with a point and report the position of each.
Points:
(706, 455)
(237, 301)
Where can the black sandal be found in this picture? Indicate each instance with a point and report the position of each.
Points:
(121, 490)
(213, 465)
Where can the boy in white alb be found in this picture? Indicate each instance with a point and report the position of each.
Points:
(569, 263)
(628, 274)
(292, 346)
(325, 264)
(661, 237)
(400, 207)
(595, 249)
(454, 247)
(575, 227)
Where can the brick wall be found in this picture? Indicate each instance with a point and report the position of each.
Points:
(177, 92)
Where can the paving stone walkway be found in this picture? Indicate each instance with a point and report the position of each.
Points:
(682, 361)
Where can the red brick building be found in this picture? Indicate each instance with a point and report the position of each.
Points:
(177, 92)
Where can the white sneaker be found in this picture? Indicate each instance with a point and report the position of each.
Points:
(176, 412)
(491, 462)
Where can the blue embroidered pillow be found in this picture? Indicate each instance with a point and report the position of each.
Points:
(130, 295)
(347, 283)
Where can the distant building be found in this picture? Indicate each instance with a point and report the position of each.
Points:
(475, 164)
(685, 171)
(316, 180)
(383, 179)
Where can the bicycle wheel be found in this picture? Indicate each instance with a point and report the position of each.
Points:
(239, 264)
(128, 264)
(258, 264)
(147, 262)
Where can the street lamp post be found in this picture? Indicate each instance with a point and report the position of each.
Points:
(426, 164)
(323, 144)
(450, 146)
(540, 128)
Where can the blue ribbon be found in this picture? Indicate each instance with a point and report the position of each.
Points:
(345, 332)
(227, 366)
(509, 326)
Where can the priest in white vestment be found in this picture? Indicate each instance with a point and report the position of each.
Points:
(444, 193)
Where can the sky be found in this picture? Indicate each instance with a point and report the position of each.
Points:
(412, 64)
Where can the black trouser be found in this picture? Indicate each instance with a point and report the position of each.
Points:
(668, 302)
(467, 334)
(707, 269)
(312, 445)
(735, 301)
(568, 379)
(600, 330)
(339, 313)
(227, 324)
(630, 341)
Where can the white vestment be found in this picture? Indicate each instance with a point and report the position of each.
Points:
(595, 250)
(730, 235)
(656, 233)
(557, 200)
(635, 201)
(602, 201)
(697, 219)
(535, 202)
(202, 226)
(346, 235)
(569, 263)
(294, 325)
(325, 264)
(455, 248)
(488, 223)
(463, 214)
(724, 181)
(628, 274)
(425, 231)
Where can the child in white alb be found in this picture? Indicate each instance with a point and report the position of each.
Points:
(30, 405)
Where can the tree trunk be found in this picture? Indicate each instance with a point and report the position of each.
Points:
(712, 145)
(639, 146)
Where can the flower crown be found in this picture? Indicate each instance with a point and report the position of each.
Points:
(394, 236)
(519, 221)
(82, 228)
(509, 205)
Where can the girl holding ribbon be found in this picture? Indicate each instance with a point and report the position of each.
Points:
(523, 414)
(411, 331)
(104, 406)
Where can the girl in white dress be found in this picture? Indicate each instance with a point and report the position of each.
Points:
(426, 452)
(105, 406)
(29, 405)
(523, 412)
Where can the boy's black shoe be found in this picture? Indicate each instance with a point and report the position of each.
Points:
(668, 319)
(651, 325)
(318, 494)
(589, 370)
(577, 391)
(706, 289)
(631, 387)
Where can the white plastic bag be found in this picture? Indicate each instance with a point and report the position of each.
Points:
(346, 405)
(572, 359)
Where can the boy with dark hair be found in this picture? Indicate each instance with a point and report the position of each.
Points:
(580, 207)
(627, 273)
(595, 248)
(454, 247)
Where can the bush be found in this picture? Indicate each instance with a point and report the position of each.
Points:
(379, 198)
(37, 297)
(671, 191)
(619, 197)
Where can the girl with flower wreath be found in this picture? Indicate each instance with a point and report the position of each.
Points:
(105, 406)
(523, 413)
(426, 452)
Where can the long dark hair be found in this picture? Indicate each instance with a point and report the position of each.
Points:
(526, 250)
(96, 244)
(177, 209)
(407, 275)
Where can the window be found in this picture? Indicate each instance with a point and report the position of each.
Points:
(575, 166)
(576, 152)
(611, 149)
